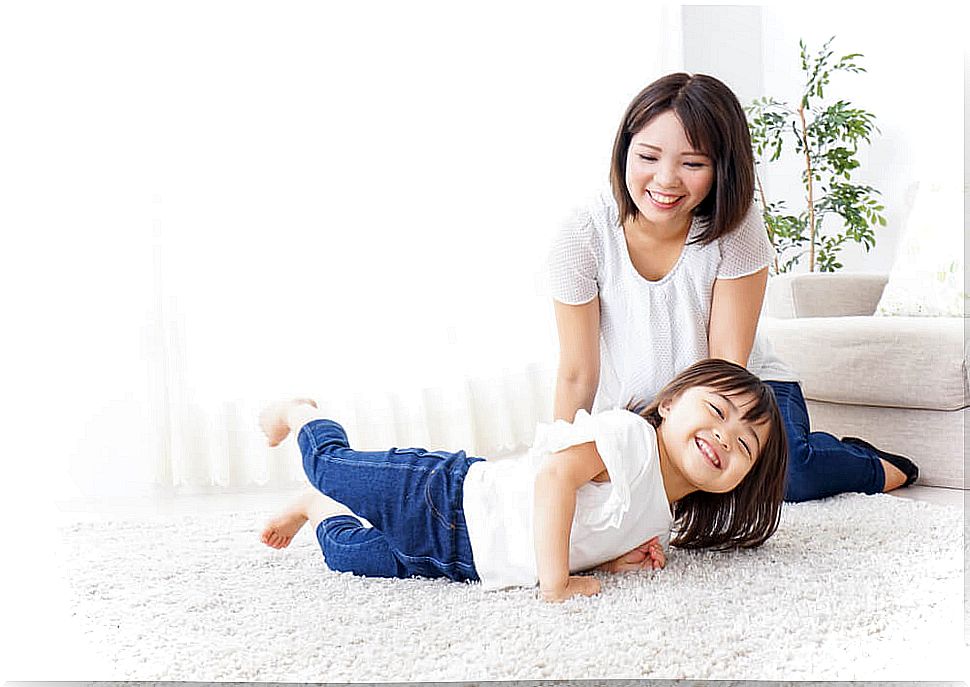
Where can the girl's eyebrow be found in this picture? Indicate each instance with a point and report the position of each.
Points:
(737, 410)
(660, 150)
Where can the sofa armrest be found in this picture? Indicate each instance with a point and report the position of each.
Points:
(823, 294)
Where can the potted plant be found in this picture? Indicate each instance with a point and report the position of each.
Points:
(826, 136)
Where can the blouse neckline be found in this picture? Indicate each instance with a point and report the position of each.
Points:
(680, 258)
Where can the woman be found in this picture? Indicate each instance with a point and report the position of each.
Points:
(671, 267)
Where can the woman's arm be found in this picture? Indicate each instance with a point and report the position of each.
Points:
(579, 357)
(735, 308)
(557, 480)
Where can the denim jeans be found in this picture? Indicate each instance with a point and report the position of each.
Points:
(820, 465)
(411, 497)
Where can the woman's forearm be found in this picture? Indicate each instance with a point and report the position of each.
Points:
(571, 395)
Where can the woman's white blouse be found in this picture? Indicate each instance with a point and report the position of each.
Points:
(611, 518)
(651, 330)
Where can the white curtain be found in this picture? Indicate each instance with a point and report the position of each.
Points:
(236, 202)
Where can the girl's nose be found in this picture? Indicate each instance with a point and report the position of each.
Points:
(720, 435)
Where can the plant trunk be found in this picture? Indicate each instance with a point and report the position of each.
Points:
(811, 196)
(764, 207)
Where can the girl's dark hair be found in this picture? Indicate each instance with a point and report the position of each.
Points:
(748, 514)
(715, 125)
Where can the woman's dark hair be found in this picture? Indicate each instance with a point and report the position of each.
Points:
(748, 514)
(715, 125)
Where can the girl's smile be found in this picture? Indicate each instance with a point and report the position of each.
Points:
(709, 453)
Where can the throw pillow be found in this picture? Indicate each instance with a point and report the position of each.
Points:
(927, 275)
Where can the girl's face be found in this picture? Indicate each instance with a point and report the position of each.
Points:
(666, 177)
(706, 441)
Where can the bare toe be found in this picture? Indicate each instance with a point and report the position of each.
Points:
(279, 531)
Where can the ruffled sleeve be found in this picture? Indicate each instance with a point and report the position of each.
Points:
(625, 441)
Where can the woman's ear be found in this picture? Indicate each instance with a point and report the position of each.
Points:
(664, 408)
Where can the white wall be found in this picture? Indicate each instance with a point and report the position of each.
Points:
(914, 86)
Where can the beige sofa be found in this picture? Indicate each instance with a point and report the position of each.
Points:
(898, 382)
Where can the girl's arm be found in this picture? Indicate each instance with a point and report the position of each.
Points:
(557, 480)
(579, 357)
(735, 308)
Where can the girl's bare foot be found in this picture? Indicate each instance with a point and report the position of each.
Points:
(279, 531)
(274, 419)
(311, 505)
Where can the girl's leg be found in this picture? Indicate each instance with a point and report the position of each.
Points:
(412, 497)
(348, 546)
(311, 506)
(819, 465)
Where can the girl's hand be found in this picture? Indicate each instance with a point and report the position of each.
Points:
(576, 585)
(647, 556)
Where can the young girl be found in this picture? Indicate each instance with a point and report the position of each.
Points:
(707, 456)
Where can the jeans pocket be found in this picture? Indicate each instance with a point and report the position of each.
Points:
(437, 495)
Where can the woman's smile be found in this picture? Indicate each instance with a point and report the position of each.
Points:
(664, 201)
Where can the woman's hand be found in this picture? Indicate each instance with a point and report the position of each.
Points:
(647, 556)
(576, 585)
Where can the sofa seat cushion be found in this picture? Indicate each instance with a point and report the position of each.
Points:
(895, 362)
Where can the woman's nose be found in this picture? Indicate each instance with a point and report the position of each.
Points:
(666, 176)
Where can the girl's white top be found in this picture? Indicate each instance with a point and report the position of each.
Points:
(611, 517)
(651, 330)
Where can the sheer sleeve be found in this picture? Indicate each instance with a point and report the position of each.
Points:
(746, 249)
(573, 262)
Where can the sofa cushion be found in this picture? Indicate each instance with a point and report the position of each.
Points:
(823, 294)
(905, 362)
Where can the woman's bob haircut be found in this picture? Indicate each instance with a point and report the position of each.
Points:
(748, 514)
(715, 124)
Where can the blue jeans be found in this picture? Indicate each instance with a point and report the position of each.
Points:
(820, 465)
(412, 497)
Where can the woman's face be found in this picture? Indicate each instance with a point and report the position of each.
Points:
(666, 177)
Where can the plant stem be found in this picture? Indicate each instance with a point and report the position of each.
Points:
(764, 207)
(811, 195)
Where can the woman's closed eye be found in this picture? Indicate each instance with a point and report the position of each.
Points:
(689, 165)
(717, 410)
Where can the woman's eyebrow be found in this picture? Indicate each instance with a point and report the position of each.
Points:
(736, 410)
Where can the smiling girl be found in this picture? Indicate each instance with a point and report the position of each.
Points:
(706, 456)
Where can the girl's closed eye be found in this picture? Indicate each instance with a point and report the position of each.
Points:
(744, 445)
(716, 410)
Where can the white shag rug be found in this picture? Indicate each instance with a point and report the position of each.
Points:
(851, 588)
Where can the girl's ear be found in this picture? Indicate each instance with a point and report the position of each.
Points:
(664, 408)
